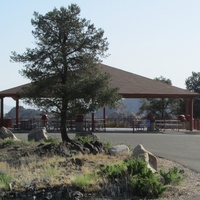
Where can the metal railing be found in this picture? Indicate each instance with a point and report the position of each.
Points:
(53, 124)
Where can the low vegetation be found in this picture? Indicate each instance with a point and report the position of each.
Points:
(99, 175)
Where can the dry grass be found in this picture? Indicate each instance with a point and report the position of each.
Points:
(48, 170)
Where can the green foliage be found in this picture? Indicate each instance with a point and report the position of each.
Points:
(5, 180)
(107, 144)
(143, 181)
(114, 171)
(137, 178)
(173, 176)
(83, 181)
(137, 166)
(147, 186)
(84, 139)
(64, 66)
(7, 142)
(161, 108)
(111, 124)
(50, 171)
(52, 140)
(192, 83)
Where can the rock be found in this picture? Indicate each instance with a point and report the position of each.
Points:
(118, 149)
(38, 134)
(148, 157)
(99, 146)
(91, 147)
(6, 133)
(77, 195)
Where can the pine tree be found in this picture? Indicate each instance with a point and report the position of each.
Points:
(63, 66)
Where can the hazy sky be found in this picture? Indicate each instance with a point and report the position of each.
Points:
(151, 38)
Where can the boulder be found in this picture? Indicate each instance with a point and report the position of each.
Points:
(38, 134)
(148, 157)
(6, 133)
(91, 147)
(118, 150)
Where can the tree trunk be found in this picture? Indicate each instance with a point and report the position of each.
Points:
(63, 128)
(64, 135)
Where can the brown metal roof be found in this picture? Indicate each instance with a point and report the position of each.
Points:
(130, 86)
(13, 92)
(134, 86)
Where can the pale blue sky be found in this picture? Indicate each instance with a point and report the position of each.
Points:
(150, 38)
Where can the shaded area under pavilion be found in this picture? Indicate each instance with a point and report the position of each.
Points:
(130, 86)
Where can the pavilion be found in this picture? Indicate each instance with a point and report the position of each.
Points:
(130, 86)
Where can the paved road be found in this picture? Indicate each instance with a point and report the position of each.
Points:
(177, 146)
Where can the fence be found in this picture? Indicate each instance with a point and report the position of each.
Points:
(169, 124)
(53, 124)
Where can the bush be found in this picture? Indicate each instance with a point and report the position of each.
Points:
(83, 181)
(173, 176)
(148, 187)
(137, 177)
(114, 171)
(137, 167)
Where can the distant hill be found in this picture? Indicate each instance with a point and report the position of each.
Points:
(23, 113)
(126, 107)
(7, 108)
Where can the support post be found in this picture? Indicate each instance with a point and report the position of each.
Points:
(92, 122)
(187, 107)
(191, 115)
(2, 111)
(104, 118)
(17, 113)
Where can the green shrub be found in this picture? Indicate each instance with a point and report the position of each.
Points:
(5, 180)
(114, 171)
(137, 167)
(106, 145)
(135, 177)
(84, 139)
(173, 176)
(111, 124)
(83, 181)
(7, 142)
(53, 140)
(147, 187)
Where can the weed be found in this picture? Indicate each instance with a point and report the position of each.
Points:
(7, 142)
(84, 139)
(5, 180)
(83, 181)
(52, 140)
